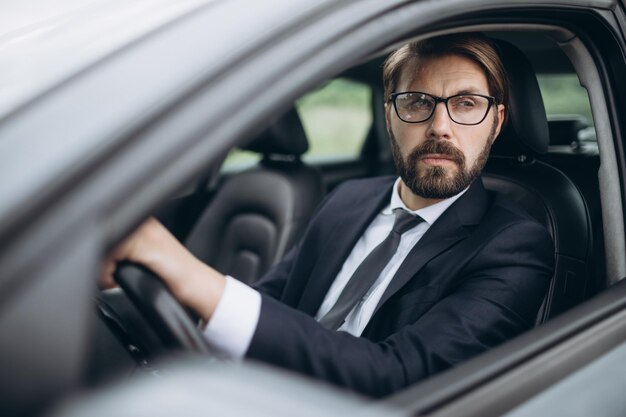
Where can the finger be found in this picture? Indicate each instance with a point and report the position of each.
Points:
(106, 274)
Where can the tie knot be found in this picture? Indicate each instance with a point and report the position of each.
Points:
(405, 221)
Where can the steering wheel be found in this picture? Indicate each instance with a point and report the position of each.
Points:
(170, 321)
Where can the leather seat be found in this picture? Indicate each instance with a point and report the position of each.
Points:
(544, 191)
(257, 214)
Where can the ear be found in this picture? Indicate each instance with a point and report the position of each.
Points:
(500, 110)
(388, 108)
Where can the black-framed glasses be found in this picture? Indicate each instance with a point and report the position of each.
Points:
(464, 109)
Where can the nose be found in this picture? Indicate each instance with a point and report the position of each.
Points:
(440, 123)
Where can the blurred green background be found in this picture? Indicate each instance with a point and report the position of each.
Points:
(562, 94)
(336, 118)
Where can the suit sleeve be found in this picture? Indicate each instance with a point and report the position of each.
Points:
(497, 297)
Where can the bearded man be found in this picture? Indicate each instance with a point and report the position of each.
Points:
(395, 279)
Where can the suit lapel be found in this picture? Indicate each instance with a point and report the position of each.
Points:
(348, 226)
(451, 227)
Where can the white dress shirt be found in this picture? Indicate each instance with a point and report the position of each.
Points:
(236, 316)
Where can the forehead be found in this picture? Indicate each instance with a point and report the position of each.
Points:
(447, 74)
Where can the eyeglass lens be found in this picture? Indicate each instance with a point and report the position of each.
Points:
(464, 109)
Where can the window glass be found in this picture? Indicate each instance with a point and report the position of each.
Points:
(336, 119)
(563, 95)
(566, 101)
(239, 159)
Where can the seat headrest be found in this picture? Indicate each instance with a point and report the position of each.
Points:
(285, 136)
(526, 132)
(564, 130)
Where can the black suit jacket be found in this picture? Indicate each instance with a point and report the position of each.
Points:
(475, 279)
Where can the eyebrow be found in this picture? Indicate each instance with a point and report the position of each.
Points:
(464, 91)
(469, 91)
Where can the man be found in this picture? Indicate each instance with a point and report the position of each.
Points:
(394, 279)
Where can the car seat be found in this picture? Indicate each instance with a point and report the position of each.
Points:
(257, 214)
(544, 191)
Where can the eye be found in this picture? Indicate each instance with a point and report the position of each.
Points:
(417, 102)
(467, 102)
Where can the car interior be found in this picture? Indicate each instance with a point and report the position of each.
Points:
(233, 144)
(243, 215)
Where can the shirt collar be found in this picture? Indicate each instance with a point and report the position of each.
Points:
(430, 214)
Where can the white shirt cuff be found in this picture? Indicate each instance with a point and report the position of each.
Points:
(234, 320)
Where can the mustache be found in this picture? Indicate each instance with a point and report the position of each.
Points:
(440, 147)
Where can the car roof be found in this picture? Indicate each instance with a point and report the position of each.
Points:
(41, 44)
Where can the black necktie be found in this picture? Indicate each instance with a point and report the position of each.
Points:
(367, 273)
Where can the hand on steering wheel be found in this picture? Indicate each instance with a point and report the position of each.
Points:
(170, 321)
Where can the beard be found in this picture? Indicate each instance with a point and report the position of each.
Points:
(437, 182)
